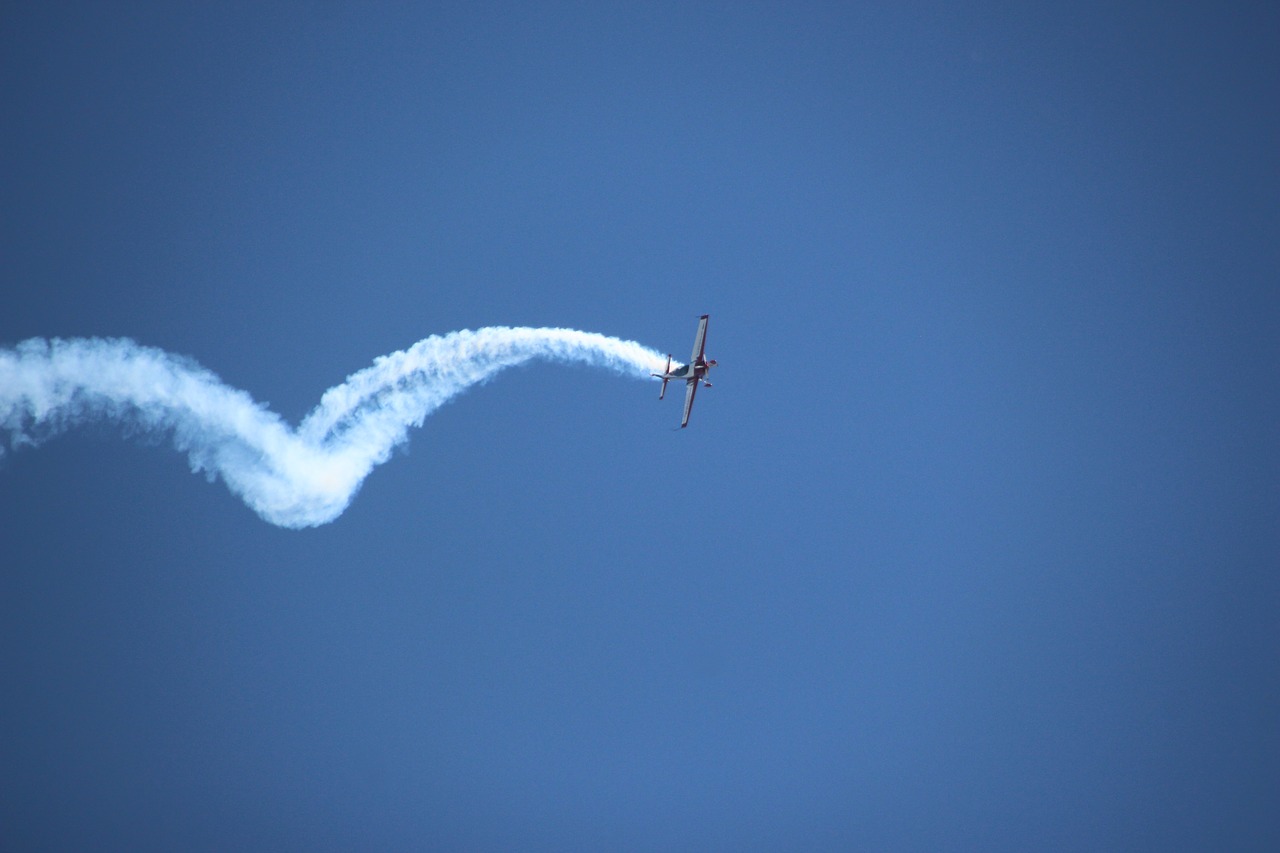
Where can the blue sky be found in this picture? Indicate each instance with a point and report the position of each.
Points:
(972, 546)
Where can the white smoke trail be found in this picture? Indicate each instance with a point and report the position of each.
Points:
(293, 478)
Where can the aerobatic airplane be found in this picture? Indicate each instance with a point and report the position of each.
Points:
(692, 373)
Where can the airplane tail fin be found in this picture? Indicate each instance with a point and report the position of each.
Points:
(666, 376)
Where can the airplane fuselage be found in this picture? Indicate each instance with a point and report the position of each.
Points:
(687, 372)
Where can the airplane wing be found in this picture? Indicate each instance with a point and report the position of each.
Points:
(700, 341)
(691, 388)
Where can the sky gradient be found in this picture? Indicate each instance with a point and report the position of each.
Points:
(973, 545)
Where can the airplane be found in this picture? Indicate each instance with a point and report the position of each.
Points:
(692, 373)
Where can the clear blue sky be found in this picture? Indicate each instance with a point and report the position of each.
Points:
(973, 546)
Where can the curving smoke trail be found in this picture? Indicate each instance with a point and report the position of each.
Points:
(291, 477)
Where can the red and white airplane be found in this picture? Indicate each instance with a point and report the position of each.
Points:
(692, 373)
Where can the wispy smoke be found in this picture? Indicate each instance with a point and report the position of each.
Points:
(291, 477)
